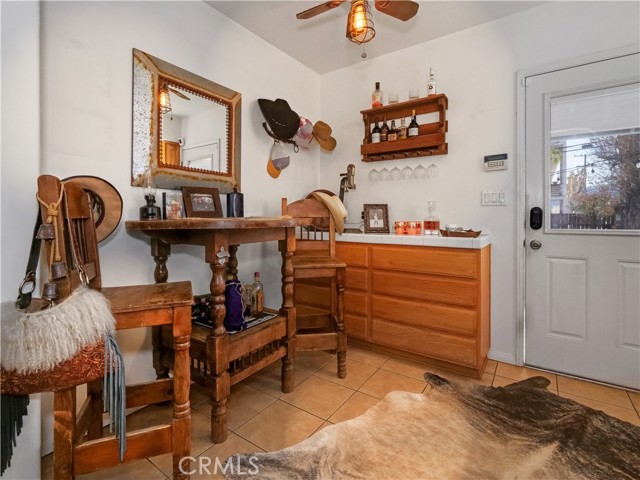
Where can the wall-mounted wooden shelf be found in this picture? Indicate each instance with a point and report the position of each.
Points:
(431, 139)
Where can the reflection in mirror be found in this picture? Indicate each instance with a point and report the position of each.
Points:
(185, 127)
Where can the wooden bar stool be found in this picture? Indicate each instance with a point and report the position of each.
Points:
(78, 444)
(322, 275)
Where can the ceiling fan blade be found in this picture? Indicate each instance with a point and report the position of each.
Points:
(180, 94)
(318, 9)
(400, 9)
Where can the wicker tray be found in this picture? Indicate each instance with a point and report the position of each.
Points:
(460, 233)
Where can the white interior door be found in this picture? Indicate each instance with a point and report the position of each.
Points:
(582, 267)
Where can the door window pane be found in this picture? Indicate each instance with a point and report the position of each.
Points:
(594, 160)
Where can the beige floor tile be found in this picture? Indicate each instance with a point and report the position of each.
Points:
(211, 464)
(148, 416)
(278, 426)
(269, 379)
(318, 396)
(486, 379)
(491, 367)
(407, 367)
(522, 373)
(384, 381)
(325, 424)
(243, 403)
(311, 362)
(635, 399)
(362, 355)
(357, 374)
(354, 407)
(125, 471)
(200, 441)
(499, 381)
(594, 391)
(198, 394)
(626, 414)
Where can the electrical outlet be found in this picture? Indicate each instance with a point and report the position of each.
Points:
(493, 199)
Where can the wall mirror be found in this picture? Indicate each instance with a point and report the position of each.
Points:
(185, 128)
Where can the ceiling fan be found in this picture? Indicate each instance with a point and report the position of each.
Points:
(359, 23)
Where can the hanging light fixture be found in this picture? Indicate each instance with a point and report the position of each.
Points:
(164, 101)
(360, 23)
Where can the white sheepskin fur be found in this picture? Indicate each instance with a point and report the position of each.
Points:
(41, 340)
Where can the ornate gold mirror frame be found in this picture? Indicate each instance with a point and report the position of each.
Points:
(150, 76)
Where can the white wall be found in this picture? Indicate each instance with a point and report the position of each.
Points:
(86, 71)
(19, 168)
(476, 69)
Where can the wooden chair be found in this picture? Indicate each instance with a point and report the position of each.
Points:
(319, 281)
(78, 444)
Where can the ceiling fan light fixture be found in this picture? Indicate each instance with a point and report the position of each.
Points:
(360, 23)
(164, 101)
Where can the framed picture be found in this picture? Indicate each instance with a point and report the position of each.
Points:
(376, 218)
(172, 206)
(202, 202)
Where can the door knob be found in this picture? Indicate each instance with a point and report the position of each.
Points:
(535, 244)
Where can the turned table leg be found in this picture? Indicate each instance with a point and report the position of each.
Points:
(218, 344)
(160, 252)
(287, 247)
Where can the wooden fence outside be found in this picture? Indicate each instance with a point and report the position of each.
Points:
(580, 221)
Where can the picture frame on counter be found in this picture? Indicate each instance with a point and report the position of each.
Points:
(172, 206)
(376, 218)
(202, 202)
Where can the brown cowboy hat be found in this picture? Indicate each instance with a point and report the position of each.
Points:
(106, 201)
(322, 134)
(283, 121)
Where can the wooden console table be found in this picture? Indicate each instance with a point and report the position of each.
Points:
(219, 360)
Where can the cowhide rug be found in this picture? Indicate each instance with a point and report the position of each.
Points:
(461, 432)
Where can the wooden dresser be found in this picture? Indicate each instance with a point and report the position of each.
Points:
(421, 302)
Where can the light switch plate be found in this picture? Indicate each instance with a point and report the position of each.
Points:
(493, 199)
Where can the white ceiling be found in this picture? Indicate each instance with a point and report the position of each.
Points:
(320, 42)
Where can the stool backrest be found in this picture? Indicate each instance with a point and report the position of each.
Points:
(317, 233)
(76, 228)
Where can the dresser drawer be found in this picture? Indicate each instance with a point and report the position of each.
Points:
(423, 314)
(357, 278)
(422, 287)
(453, 262)
(353, 254)
(356, 326)
(439, 345)
(356, 302)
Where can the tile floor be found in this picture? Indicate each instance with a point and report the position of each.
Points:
(262, 418)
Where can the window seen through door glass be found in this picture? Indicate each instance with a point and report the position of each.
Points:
(594, 161)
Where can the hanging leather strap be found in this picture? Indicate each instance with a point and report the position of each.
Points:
(28, 284)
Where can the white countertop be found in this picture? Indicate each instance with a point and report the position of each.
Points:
(419, 240)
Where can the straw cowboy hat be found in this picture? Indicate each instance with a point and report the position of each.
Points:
(335, 206)
(322, 134)
(106, 201)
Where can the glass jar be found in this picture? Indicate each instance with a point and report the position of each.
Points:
(431, 221)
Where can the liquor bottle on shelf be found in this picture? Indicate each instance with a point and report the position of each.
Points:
(393, 133)
(413, 129)
(431, 221)
(431, 84)
(257, 299)
(384, 130)
(376, 97)
(375, 133)
(402, 130)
